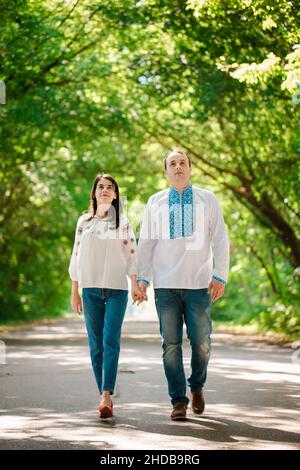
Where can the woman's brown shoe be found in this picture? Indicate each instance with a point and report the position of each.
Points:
(198, 403)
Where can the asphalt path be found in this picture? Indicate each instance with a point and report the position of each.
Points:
(48, 396)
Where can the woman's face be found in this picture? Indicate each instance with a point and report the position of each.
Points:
(105, 192)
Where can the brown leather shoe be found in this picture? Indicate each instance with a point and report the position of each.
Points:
(179, 411)
(198, 403)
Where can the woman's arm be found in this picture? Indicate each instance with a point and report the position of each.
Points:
(73, 268)
(76, 303)
(130, 247)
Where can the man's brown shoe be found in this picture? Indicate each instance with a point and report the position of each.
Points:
(198, 403)
(179, 411)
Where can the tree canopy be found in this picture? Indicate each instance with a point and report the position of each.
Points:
(113, 86)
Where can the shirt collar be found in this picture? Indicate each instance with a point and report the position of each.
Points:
(188, 189)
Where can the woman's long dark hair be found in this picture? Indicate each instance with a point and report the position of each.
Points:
(115, 203)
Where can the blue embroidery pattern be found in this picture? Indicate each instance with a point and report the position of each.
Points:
(219, 280)
(181, 213)
(145, 281)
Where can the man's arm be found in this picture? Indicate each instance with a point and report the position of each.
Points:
(220, 248)
(146, 246)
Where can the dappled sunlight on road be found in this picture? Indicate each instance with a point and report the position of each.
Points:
(50, 398)
(63, 331)
(73, 357)
(223, 426)
(256, 370)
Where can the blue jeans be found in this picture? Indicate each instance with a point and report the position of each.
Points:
(104, 311)
(192, 306)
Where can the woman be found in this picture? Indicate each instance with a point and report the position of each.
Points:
(104, 254)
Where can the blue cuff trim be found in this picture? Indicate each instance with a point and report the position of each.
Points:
(219, 280)
(140, 279)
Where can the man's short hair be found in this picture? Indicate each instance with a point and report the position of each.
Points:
(176, 152)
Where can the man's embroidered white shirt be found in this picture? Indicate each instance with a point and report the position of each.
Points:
(187, 262)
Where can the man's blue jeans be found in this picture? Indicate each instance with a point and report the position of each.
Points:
(104, 311)
(192, 306)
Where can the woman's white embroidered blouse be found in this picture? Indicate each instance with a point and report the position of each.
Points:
(103, 256)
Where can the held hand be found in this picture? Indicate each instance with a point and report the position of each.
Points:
(216, 290)
(76, 303)
(136, 294)
(143, 287)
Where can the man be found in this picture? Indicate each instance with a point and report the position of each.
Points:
(183, 234)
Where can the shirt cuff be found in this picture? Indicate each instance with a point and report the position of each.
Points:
(215, 278)
(140, 279)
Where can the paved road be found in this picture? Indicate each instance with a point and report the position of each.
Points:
(48, 395)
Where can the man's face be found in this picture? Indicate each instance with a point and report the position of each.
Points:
(178, 170)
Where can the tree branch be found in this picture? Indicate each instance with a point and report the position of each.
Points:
(260, 259)
(68, 15)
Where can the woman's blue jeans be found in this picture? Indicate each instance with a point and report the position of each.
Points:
(192, 306)
(104, 311)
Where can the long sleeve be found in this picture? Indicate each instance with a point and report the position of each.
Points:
(130, 249)
(220, 241)
(73, 268)
(146, 244)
